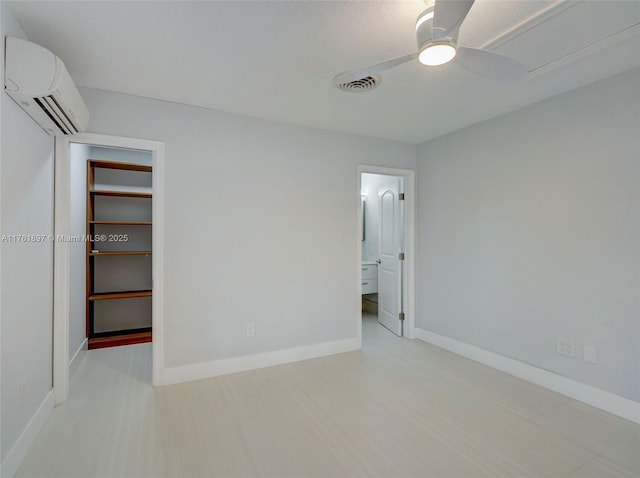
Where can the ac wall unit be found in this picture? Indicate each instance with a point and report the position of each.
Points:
(38, 81)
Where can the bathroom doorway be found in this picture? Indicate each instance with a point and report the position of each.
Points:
(386, 251)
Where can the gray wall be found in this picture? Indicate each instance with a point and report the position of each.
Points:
(529, 230)
(26, 207)
(260, 225)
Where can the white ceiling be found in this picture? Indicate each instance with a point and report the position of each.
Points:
(276, 60)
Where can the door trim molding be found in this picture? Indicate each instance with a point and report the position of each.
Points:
(409, 176)
(62, 205)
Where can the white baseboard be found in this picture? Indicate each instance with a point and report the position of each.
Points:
(609, 402)
(19, 450)
(214, 368)
(77, 357)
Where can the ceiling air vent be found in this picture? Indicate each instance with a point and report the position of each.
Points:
(367, 83)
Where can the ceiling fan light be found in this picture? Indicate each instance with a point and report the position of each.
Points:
(436, 54)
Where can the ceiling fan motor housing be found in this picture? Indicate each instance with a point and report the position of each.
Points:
(426, 36)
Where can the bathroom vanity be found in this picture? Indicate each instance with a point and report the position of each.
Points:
(369, 277)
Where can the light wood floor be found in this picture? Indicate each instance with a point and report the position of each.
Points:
(398, 408)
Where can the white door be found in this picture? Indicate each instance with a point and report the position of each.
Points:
(389, 244)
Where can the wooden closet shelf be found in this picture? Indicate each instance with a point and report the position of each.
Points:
(120, 295)
(99, 163)
(120, 253)
(123, 223)
(124, 194)
(126, 338)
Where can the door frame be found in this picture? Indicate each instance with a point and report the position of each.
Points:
(61, 269)
(409, 177)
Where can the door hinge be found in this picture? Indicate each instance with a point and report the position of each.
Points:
(401, 196)
(401, 316)
(401, 256)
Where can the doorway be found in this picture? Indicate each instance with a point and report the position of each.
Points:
(69, 329)
(112, 201)
(386, 250)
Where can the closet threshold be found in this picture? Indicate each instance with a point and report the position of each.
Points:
(125, 337)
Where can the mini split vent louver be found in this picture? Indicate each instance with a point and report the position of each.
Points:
(367, 83)
(57, 115)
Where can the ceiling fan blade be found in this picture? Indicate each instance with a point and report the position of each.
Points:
(448, 15)
(372, 70)
(491, 65)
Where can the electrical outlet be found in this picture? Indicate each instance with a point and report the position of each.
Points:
(566, 347)
(251, 329)
(590, 353)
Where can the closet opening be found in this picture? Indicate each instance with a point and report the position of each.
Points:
(108, 252)
(111, 204)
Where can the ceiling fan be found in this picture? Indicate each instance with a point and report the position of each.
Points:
(437, 31)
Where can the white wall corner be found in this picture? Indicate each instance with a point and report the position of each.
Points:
(75, 361)
(609, 402)
(19, 450)
(197, 371)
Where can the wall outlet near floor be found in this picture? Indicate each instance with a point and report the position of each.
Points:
(251, 329)
(566, 347)
(589, 353)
